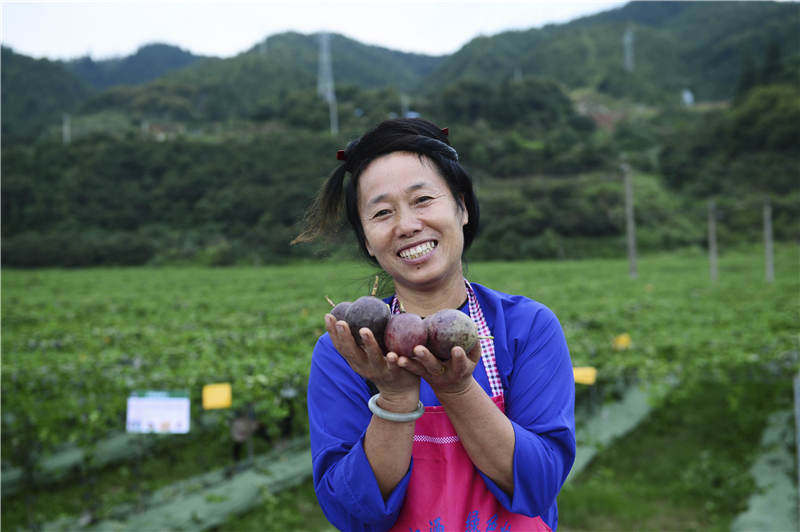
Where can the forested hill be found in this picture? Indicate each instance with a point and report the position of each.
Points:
(274, 78)
(289, 61)
(35, 94)
(258, 82)
(700, 46)
(216, 161)
(353, 62)
(148, 63)
(707, 47)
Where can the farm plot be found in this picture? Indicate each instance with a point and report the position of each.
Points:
(77, 343)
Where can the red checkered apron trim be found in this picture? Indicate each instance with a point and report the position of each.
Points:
(487, 345)
(441, 440)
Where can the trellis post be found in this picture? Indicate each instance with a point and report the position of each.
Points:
(630, 222)
(769, 253)
(712, 240)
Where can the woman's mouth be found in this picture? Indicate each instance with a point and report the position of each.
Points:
(418, 251)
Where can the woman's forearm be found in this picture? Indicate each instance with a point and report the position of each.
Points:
(485, 432)
(388, 444)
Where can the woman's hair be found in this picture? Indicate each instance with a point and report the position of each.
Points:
(401, 134)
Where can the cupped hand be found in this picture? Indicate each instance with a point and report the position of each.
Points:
(444, 376)
(368, 360)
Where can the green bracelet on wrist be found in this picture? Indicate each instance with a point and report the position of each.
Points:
(394, 416)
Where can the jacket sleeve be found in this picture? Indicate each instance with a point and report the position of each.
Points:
(345, 484)
(540, 402)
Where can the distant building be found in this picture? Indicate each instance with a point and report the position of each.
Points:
(163, 131)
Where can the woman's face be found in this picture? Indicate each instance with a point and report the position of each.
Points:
(412, 224)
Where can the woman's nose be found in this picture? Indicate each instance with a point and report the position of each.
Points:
(408, 223)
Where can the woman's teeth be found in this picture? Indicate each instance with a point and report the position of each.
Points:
(418, 251)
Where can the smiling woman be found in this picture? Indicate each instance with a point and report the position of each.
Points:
(485, 438)
(413, 225)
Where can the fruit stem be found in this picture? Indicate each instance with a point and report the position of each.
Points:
(329, 301)
(374, 287)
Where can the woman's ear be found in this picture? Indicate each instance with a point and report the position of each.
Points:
(462, 207)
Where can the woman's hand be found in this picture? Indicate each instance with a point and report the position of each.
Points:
(368, 360)
(445, 376)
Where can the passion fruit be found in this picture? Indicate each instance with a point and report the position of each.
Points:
(340, 309)
(369, 312)
(447, 329)
(404, 332)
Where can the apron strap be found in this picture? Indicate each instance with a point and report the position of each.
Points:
(487, 344)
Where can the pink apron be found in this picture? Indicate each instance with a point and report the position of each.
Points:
(446, 492)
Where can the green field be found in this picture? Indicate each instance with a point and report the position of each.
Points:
(75, 343)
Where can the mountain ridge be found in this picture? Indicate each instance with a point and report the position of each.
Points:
(670, 52)
(696, 46)
(149, 62)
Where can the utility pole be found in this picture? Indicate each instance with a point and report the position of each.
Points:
(769, 253)
(405, 104)
(712, 240)
(630, 221)
(325, 87)
(66, 129)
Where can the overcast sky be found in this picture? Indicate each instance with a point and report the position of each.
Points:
(63, 30)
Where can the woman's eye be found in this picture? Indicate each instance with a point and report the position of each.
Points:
(381, 213)
(424, 199)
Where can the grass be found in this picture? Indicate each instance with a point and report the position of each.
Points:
(684, 468)
(293, 509)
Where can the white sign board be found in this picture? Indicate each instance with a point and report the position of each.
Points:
(158, 412)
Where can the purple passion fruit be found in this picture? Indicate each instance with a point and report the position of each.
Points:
(449, 328)
(369, 312)
(340, 310)
(404, 332)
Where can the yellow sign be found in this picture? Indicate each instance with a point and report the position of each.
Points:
(585, 375)
(217, 396)
(622, 342)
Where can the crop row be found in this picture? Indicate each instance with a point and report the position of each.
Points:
(77, 343)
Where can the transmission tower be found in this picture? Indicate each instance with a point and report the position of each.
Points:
(325, 87)
(627, 44)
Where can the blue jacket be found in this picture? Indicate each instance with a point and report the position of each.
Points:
(538, 384)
